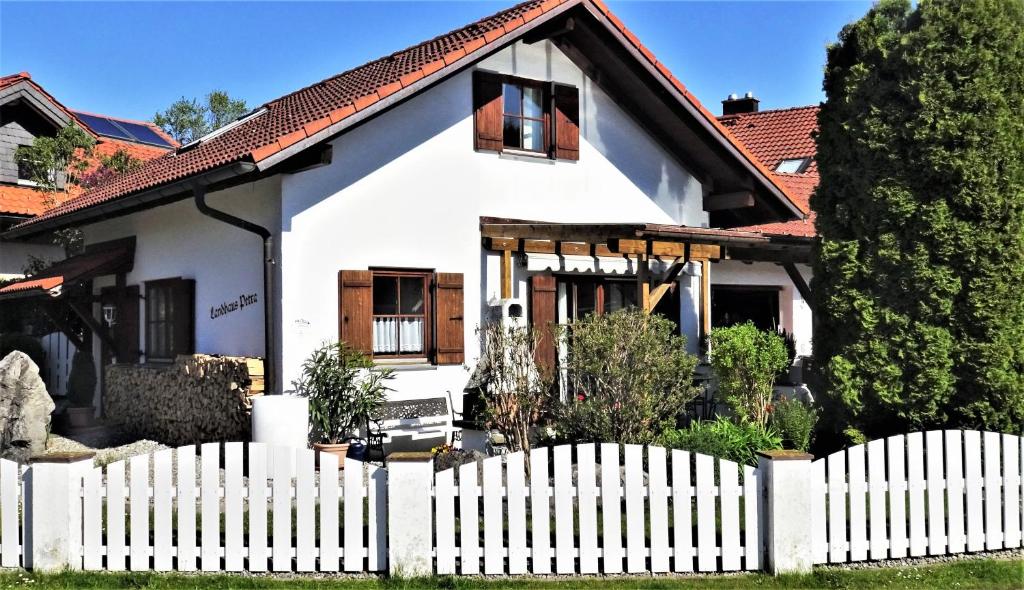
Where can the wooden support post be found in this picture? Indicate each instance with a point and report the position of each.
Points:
(705, 299)
(643, 283)
(506, 274)
(798, 281)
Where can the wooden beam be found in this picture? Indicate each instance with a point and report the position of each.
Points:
(662, 248)
(705, 300)
(798, 280)
(501, 244)
(666, 281)
(725, 201)
(506, 274)
(95, 326)
(63, 327)
(643, 283)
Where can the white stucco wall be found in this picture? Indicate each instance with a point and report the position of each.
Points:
(15, 256)
(177, 241)
(794, 310)
(407, 191)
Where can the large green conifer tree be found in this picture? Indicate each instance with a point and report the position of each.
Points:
(919, 279)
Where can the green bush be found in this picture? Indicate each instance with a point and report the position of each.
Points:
(724, 438)
(628, 375)
(794, 420)
(82, 380)
(344, 390)
(746, 361)
(30, 345)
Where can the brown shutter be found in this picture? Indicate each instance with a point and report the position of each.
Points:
(449, 308)
(355, 309)
(567, 122)
(487, 111)
(183, 306)
(543, 305)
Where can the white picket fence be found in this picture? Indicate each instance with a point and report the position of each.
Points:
(583, 509)
(657, 495)
(10, 513)
(293, 518)
(931, 493)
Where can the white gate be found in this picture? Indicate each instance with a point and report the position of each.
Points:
(929, 493)
(656, 511)
(59, 354)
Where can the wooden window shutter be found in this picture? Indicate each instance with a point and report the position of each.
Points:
(487, 111)
(567, 122)
(449, 311)
(184, 323)
(543, 306)
(355, 309)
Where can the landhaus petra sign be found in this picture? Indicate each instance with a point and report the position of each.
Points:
(230, 306)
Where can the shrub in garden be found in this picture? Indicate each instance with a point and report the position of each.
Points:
(82, 379)
(794, 420)
(627, 376)
(513, 387)
(721, 437)
(746, 361)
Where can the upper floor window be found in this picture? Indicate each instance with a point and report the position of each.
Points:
(511, 113)
(524, 116)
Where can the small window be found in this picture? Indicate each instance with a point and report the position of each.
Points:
(169, 319)
(24, 170)
(523, 110)
(401, 314)
(793, 165)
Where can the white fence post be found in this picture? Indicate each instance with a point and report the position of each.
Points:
(410, 514)
(53, 511)
(786, 477)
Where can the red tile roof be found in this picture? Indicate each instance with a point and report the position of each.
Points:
(311, 110)
(778, 135)
(71, 270)
(23, 200)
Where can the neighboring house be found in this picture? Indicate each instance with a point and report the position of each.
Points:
(538, 164)
(27, 111)
(767, 292)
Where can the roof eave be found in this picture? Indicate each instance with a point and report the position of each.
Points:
(167, 192)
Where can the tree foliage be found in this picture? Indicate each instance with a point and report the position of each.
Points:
(920, 267)
(188, 119)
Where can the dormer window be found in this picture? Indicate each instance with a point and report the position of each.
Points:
(793, 165)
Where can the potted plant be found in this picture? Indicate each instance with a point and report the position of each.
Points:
(344, 389)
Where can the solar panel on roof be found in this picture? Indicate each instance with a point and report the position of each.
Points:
(104, 126)
(144, 133)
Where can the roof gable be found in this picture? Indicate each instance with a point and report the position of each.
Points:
(285, 126)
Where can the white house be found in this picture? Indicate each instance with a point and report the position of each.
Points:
(540, 161)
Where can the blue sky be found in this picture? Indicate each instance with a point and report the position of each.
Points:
(132, 59)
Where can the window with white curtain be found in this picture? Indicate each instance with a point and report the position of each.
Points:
(401, 306)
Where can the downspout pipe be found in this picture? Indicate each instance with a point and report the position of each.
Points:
(269, 363)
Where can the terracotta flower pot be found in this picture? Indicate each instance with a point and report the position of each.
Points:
(339, 450)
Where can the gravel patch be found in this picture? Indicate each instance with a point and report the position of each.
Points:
(1006, 554)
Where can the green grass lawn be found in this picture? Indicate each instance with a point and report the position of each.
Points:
(974, 573)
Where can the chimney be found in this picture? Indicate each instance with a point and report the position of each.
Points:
(736, 106)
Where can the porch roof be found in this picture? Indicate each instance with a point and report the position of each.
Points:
(116, 258)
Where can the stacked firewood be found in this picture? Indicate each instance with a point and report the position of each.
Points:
(197, 399)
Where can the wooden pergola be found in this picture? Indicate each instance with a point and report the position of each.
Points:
(674, 245)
